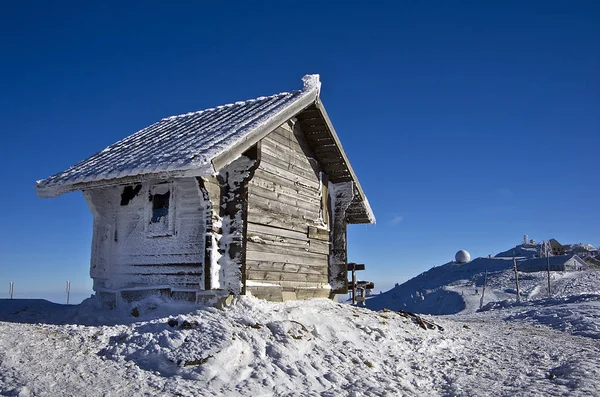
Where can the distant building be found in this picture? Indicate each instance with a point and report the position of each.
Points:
(593, 262)
(557, 248)
(559, 263)
(580, 249)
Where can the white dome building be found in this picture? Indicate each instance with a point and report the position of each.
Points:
(462, 256)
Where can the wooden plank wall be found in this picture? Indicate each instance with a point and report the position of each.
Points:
(287, 254)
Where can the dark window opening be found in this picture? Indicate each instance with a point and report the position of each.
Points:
(129, 192)
(160, 206)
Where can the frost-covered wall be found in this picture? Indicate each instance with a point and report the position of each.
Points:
(341, 196)
(234, 178)
(150, 234)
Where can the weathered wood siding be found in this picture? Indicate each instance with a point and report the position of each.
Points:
(125, 254)
(287, 239)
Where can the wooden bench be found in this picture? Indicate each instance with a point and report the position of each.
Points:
(358, 288)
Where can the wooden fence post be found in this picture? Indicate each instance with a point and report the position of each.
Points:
(68, 291)
(353, 286)
(548, 268)
(483, 291)
(517, 279)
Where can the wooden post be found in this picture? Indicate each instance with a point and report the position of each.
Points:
(341, 195)
(483, 290)
(517, 279)
(68, 291)
(10, 289)
(549, 291)
(234, 180)
(548, 267)
(353, 285)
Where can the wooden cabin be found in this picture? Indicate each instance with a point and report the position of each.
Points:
(252, 197)
(557, 248)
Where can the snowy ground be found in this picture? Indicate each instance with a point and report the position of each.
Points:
(315, 348)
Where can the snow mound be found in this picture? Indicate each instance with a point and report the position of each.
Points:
(520, 251)
(298, 348)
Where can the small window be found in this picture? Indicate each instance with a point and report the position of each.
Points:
(160, 211)
(160, 207)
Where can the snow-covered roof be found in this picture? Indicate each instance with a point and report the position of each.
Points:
(199, 144)
(183, 145)
(540, 264)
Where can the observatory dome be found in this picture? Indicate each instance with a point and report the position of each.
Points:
(462, 256)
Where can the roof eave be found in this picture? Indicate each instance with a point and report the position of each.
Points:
(56, 190)
(369, 215)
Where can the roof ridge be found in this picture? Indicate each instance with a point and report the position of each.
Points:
(228, 105)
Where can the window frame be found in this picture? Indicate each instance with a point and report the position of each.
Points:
(154, 229)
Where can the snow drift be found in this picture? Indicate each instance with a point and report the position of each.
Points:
(297, 348)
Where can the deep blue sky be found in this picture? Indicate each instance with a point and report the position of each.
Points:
(468, 123)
